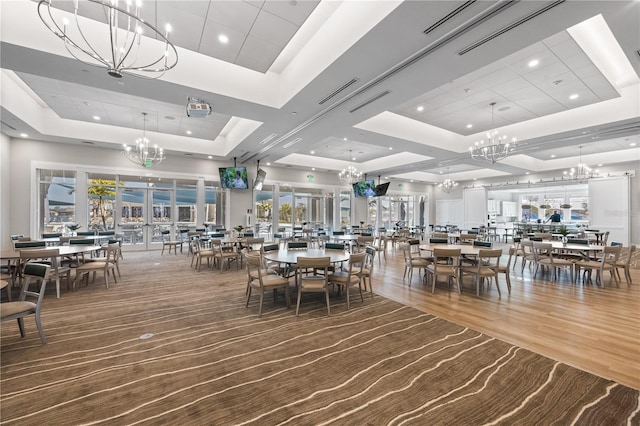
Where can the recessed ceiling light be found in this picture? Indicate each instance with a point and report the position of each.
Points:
(210, 157)
(189, 132)
(440, 171)
(526, 173)
(420, 108)
(632, 144)
(313, 152)
(475, 178)
(411, 180)
(574, 96)
(268, 164)
(95, 117)
(24, 135)
(169, 117)
(469, 126)
(344, 139)
(353, 159)
(223, 39)
(599, 165)
(533, 63)
(553, 156)
(313, 168)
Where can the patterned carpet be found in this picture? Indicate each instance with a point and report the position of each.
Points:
(168, 345)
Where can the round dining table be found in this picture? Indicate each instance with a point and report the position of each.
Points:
(12, 254)
(291, 256)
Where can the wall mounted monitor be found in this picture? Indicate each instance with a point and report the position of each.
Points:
(257, 184)
(364, 188)
(234, 177)
(381, 189)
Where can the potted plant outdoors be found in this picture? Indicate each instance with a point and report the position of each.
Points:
(73, 228)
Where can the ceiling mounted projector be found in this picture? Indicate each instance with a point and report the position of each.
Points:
(197, 108)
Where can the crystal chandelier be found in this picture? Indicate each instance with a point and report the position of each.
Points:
(119, 48)
(141, 153)
(582, 171)
(448, 185)
(497, 148)
(350, 174)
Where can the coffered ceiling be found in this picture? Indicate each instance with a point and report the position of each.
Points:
(403, 87)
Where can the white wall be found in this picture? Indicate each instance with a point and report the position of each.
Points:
(5, 191)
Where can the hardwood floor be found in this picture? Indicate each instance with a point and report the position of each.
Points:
(591, 328)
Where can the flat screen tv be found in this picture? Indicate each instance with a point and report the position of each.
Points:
(364, 188)
(234, 177)
(381, 189)
(257, 184)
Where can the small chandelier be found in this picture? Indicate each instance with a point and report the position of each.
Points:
(448, 185)
(582, 171)
(350, 174)
(497, 148)
(142, 154)
(119, 48)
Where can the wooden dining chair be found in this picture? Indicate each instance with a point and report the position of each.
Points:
(487, 266)
(108, 266)
(445, 264)
(49, 257)
(262, 282)
(346, 280)
(21, 308)
(312, 276)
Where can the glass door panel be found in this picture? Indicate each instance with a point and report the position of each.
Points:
(161, 219)
(132, 222)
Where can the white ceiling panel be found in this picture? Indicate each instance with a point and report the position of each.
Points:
(367, 40)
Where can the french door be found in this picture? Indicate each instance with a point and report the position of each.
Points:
(144, 214)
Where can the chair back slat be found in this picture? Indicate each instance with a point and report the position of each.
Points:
(438, 240)
(29, 244)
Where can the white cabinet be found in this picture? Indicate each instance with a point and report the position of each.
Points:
(509, 209)
(493, 207)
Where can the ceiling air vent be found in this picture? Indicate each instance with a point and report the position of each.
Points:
(293, 142)
(449, 16)
(510, 27)
(338, 90)
(268, 138)
(372, 99)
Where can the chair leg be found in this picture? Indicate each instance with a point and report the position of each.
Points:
(248, 295)
(346, 290)
(326, 294)
(298, 303)
(43, 338)
(21, 326)
(57, 286)
(261, 300)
